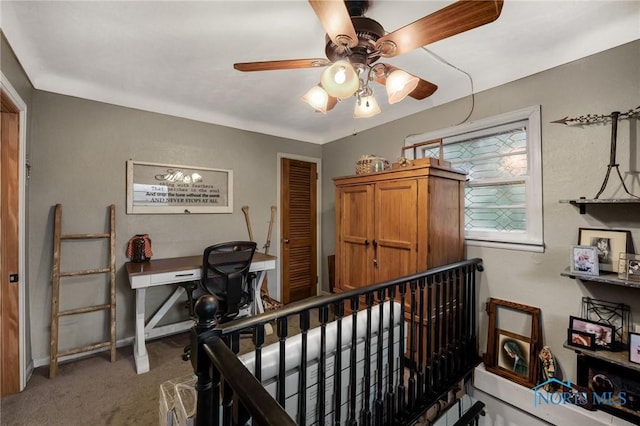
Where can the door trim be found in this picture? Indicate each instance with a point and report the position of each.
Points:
(17, 101)
(278, 231)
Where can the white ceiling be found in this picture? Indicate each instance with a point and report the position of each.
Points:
(176, 57)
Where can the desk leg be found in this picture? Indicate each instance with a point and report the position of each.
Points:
(140, 354)
(258, 307)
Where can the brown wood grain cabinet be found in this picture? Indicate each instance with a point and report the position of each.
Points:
(397, 222)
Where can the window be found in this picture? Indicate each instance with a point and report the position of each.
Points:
(502, 158)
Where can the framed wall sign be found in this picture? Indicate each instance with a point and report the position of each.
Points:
(154, 188)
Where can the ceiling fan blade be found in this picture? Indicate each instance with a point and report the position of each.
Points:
(423, 90)
(335, 19)
(454, 19)
(288, 64)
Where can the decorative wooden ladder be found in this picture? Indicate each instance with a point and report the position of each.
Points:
(58, 237)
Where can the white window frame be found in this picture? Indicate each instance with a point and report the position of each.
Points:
(532, 238)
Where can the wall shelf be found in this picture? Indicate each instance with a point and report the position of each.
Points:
(604, 277)
(614, 357)
(582, 203)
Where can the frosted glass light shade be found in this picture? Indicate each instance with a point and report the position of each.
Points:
(367, 107)
(399, 84)
(317, 98)
(340, 79)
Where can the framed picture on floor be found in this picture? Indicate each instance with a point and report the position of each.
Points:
(513, 341)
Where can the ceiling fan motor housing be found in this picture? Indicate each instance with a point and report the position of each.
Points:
(368, 32)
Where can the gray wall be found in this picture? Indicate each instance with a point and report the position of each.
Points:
(80, 149)
(574, 164)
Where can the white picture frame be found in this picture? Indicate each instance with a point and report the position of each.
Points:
(584, 260)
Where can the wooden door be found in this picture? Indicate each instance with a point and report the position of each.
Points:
(354, 236)
(9, 238)
(298, 249)
(396, 229)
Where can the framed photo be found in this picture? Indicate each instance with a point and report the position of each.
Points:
(154, 188)
(629, 267)
(513, 341)
(581, 339)
(604, 333)
(609, 243)
(584, 260)
(634, 347)
(514, 353)
(617, 387)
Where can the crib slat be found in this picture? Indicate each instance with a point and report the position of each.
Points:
(353, 359)
(379, 402)
(366, 409)
(421, 329)
(337, 399)
(412, 347)
(437, 364)
(258, 338)
(323, 317)
(390, 401)
(430, 327)
(283, 330)
(302, 376)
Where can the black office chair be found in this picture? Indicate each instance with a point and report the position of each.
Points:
(225, 275)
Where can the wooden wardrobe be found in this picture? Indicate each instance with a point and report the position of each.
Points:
(397, 222)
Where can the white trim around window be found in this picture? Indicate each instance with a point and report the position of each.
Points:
(530, 239)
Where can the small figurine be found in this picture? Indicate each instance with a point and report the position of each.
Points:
(548, 368)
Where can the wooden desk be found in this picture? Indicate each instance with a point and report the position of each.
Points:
(176, 270)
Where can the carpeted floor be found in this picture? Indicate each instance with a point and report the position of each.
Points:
(94, 391)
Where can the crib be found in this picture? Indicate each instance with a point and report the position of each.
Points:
(395, 353)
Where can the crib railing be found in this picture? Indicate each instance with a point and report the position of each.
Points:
(384, 354)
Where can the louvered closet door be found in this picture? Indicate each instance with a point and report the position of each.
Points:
(298, 244)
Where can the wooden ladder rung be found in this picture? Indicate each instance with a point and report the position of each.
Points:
(84, 349)
(84, 310)
(83, 236)
(85, 272)
(58, 237)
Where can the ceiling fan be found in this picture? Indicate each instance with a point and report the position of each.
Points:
(354, 44)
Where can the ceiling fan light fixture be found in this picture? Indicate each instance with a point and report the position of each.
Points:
(399, 84)
(366, 107)
(340, 79)
(318, 98)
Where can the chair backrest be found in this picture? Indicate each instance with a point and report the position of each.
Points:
(225, 267)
